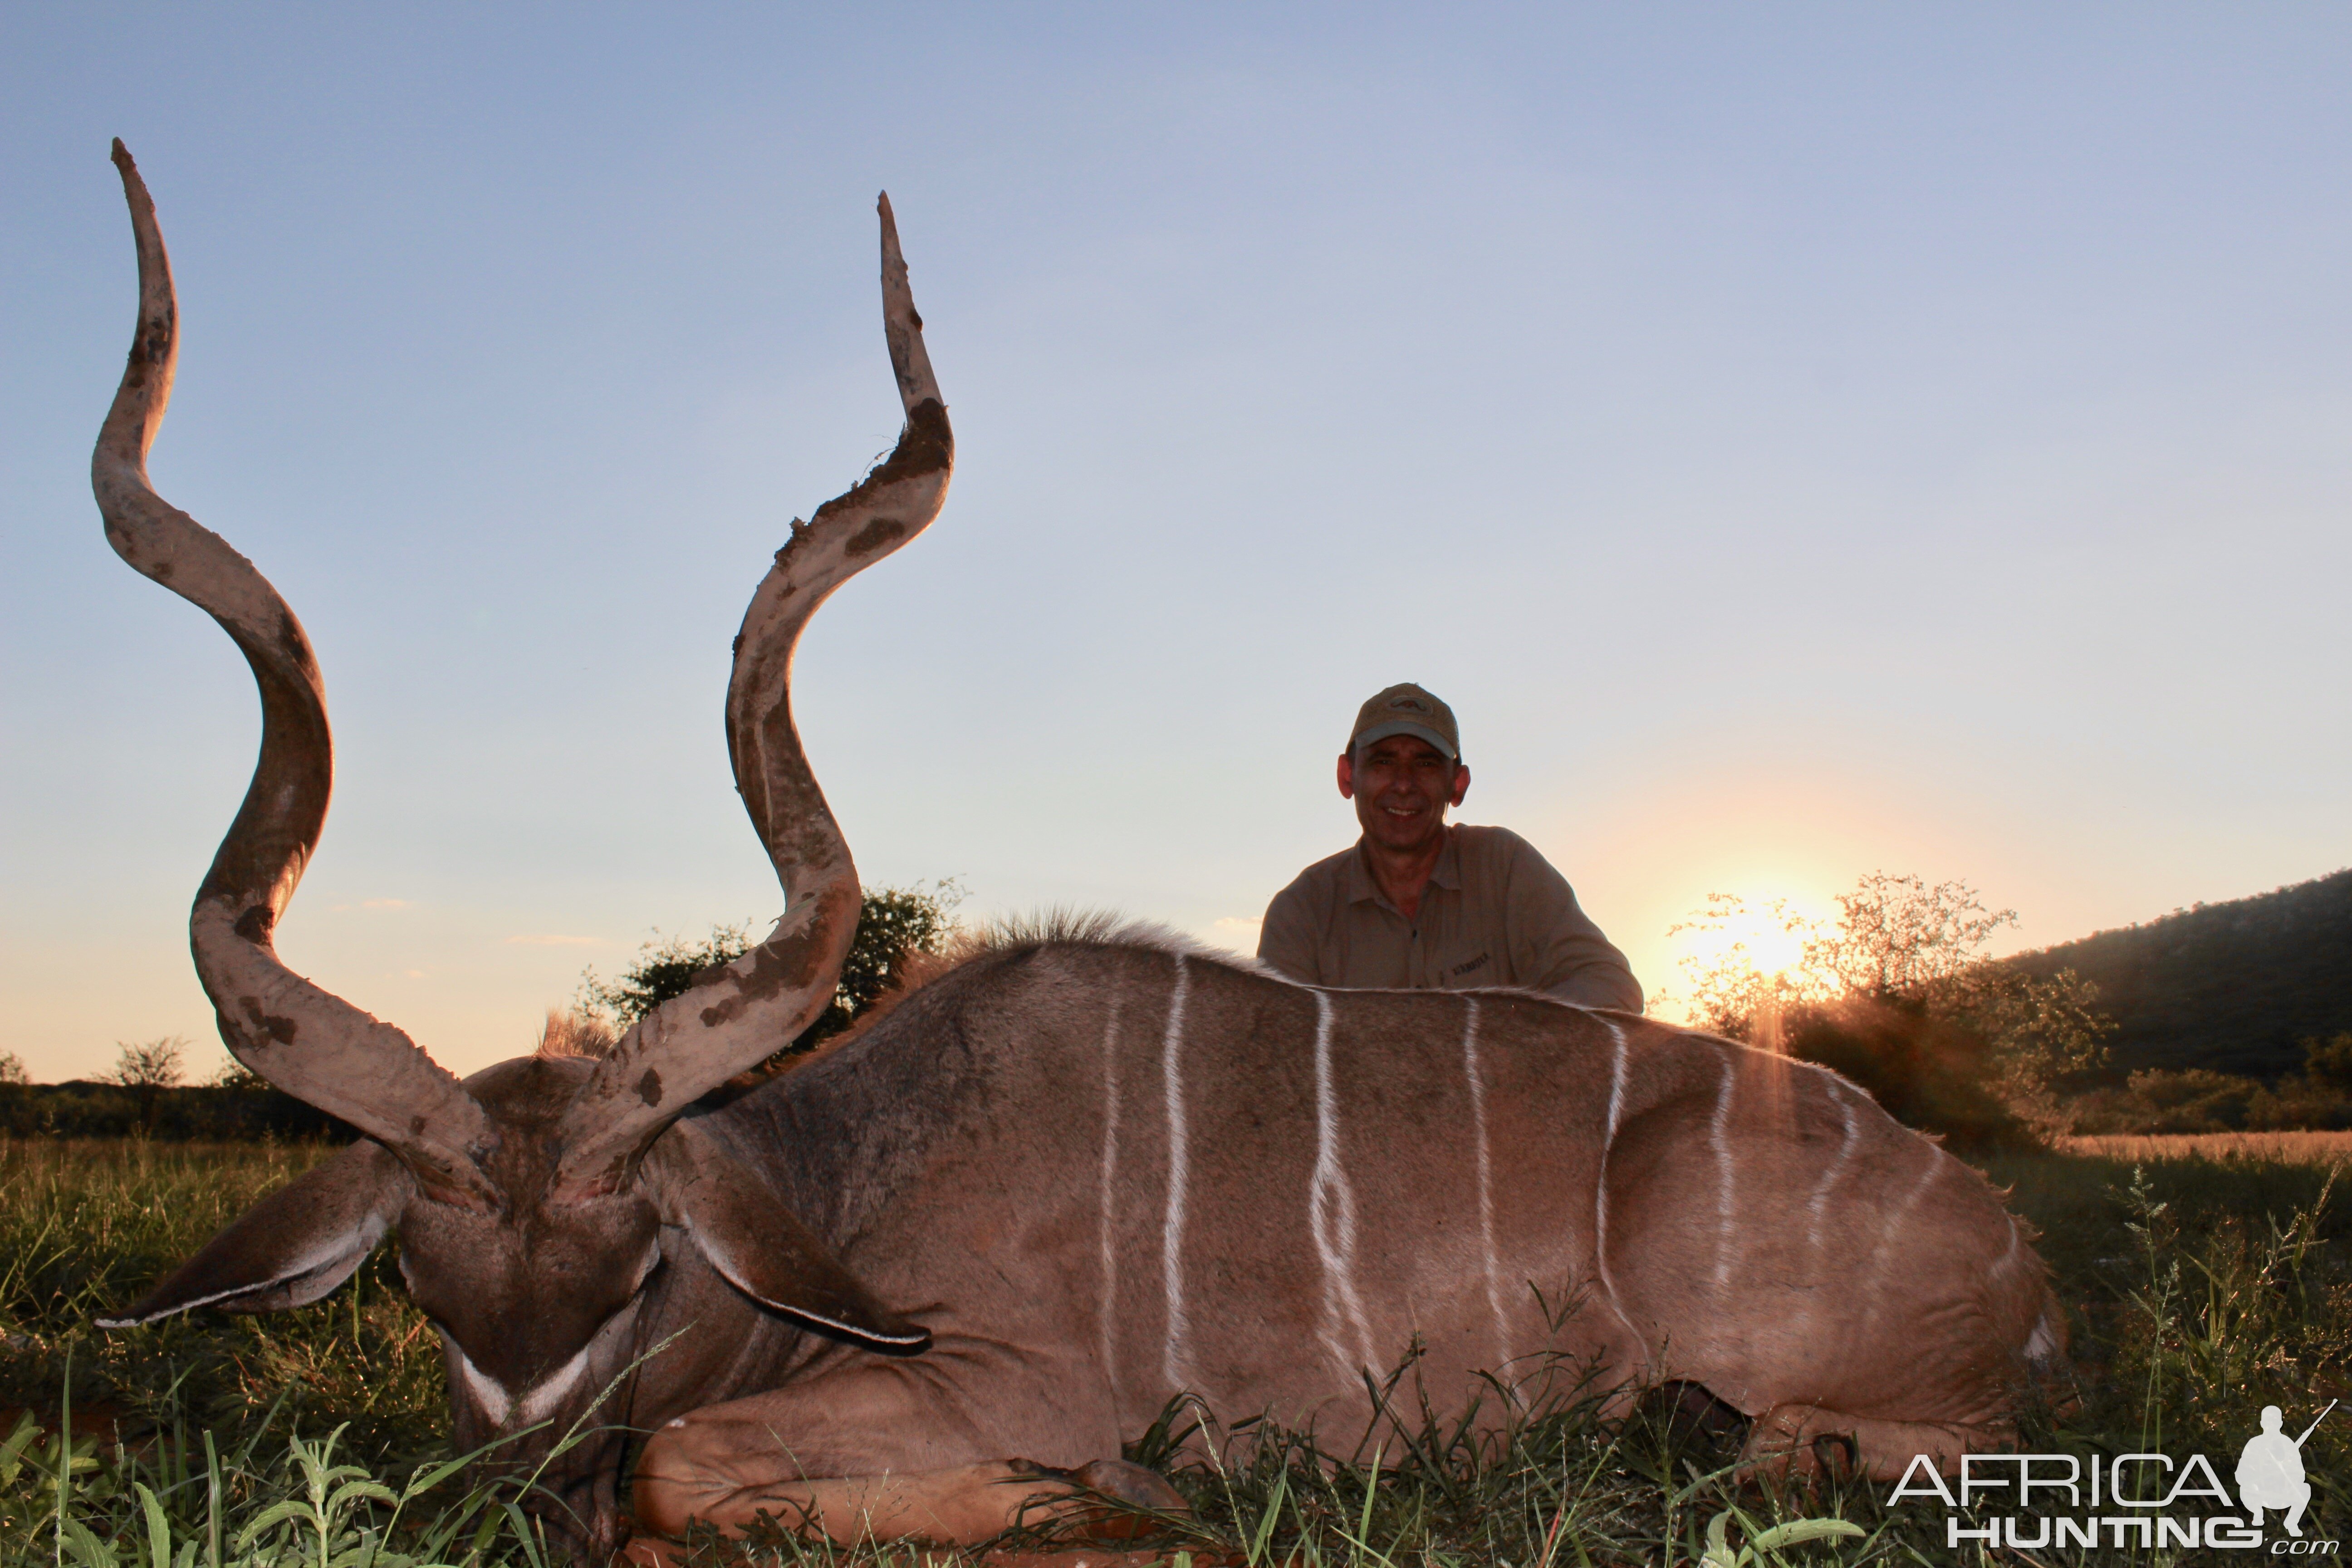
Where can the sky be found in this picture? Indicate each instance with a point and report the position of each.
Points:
(1799, 441)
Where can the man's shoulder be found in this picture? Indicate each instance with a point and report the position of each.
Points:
(1493, 845)
(1495, 863)
(1321, 880)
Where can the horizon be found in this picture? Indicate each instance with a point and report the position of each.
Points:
(199, 1073)
(1796, 445)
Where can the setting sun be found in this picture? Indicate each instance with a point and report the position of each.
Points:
(1736, 940)
(1764, 932)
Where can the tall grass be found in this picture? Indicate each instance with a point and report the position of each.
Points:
(212, 1441)
(86, 1227)
(2201, 1289)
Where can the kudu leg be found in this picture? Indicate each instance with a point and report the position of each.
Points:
(959, 1507)
(1804, 1440)
(848, 1460)
(954, 1506)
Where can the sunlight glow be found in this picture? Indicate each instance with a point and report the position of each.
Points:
(1755, 930)
(1738, 952)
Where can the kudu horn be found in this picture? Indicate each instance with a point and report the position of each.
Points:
(692, 1043)
(309, 1043)
(369, 1073)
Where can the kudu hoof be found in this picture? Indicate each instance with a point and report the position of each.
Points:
(1118, 1503)
(648, 1552)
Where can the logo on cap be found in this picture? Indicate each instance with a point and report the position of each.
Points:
(1432, 719)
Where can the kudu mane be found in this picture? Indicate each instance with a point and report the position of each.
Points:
(1016, 936)
(1002, 941)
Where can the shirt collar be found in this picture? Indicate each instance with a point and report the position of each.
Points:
(1448, 872)
(1363, 888)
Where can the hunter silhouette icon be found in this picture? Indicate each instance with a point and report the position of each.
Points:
(2269, 1471)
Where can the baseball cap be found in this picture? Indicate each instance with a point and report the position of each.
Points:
(1407, 709)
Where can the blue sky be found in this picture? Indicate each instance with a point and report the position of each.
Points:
(1798, 440)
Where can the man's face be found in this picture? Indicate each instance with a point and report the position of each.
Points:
(1402, 786)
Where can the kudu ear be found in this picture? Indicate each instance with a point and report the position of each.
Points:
(757, 1245)
(293, 1246)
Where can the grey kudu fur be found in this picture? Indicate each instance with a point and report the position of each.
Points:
(1000, 1228)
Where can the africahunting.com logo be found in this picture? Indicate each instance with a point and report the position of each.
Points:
(2145, 1501)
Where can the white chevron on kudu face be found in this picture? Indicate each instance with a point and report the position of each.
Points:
(1173, 1348)
(537, 1402)
(1331, 1212)
(1476, 1083)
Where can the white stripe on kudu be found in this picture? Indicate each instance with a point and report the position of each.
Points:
(1817, 1207)
(1485, 1175)
(1107, 1306)
(2008, 1258)
(1718, 1140)
(1601, 1176)
(1171, 1233)
(1897, 1220)
(1331, 1209)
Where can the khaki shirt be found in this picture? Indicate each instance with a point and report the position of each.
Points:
(1495, 913)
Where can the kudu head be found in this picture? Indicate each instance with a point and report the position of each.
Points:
(533, 1201)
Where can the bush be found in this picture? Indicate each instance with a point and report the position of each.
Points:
(891, 923)
(2192, 1099)
(80, 1108)
(1928, 1072)
(2199, 1099)
(1971, 1049)
(2327, 1064)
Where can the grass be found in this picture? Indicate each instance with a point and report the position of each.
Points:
(211, 1440)
(2205, 1282)
(87, 1226)
(2287, 1148)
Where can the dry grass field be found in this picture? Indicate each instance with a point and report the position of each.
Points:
(2278, 1148)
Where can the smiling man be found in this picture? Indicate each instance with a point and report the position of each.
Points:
(1420, 904)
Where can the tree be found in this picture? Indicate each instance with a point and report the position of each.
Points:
(666, 966)
(153, 1065)
(233, 1074)
(2042, 1033)
(147, 1070)
(1897, 992)
(2328, 1063)
(891, 923)
(1734, 990)
(1896, 936)
(1927, 1071)
(12, 1070)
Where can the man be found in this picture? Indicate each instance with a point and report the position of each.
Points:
(1418, 904)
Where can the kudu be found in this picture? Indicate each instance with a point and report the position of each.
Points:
(1000, 1228)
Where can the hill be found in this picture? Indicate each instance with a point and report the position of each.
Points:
(2236, 986)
